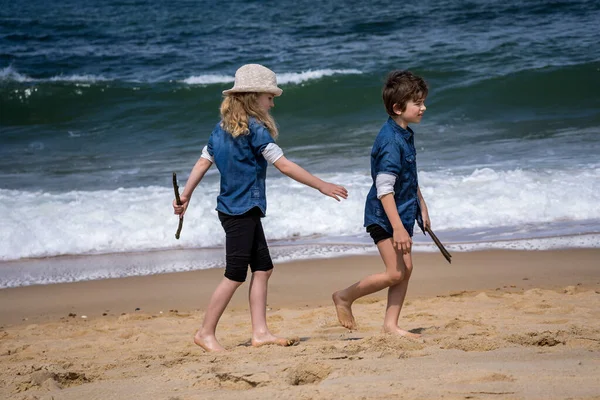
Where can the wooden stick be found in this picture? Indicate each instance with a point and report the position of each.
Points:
(178, 200)
(439, 244)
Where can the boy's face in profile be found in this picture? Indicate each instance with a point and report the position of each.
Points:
(412, 113)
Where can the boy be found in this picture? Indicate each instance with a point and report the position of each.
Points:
(393, 203)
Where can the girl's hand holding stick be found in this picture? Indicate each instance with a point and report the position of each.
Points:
(178, 201)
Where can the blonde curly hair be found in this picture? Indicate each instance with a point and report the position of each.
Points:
(237, 108)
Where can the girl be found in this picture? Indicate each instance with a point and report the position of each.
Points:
(241, 145)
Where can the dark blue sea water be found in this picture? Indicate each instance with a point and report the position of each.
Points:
(100, 101)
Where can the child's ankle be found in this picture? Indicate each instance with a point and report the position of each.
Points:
(203, 333)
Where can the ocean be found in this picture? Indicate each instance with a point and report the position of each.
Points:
(101, 101)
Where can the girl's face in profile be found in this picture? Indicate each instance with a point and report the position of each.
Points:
(265, 101)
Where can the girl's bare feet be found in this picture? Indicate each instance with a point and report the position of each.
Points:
(268, 338)
(343, 309)
(397, 331)
(208, 342)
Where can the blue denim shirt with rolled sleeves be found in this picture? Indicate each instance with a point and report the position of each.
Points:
(394, 153)
(242, 166)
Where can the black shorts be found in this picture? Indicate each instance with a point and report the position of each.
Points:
(245, 244)
(378, 233)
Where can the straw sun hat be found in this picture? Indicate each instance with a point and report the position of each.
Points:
(254, 78)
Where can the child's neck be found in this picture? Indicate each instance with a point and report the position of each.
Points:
(400, 121)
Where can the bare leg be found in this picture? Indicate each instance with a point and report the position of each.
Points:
(397, 292)
(205, 337)
(257, 295)
(343, 299)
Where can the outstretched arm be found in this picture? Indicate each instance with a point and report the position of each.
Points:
(202, 165)
(301, 175)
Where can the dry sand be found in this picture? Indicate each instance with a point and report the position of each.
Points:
(495, 325)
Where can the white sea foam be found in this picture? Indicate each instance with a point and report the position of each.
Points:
(299, 77)
(546, 243)
(282, 79)
(78, 78)
(43, 224)
(10, 74)
(208, 79)
(83, 268)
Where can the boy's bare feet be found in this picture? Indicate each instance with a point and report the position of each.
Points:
(343, 309)
(271, 339)
(209, 343)
(397, 331)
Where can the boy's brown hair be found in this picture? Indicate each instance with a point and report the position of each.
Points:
(401, 87)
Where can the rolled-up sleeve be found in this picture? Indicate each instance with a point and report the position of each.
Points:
(207, 155)
(272, 153)
(384, 184)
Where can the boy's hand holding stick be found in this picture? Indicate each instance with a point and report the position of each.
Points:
(439, 244)
(178, 200)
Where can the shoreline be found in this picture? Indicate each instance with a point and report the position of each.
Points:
(306, 283)
(71, 268)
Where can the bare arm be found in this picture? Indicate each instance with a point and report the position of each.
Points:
(200, 168)
(301, 175)
(402, 240)
(424, 210)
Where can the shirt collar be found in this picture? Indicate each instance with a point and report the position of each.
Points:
(406, 133)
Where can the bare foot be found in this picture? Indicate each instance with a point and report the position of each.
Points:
(343, 309)
(397, 331)
(208, 343)
(271, 339)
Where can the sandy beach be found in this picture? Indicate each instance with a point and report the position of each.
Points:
(494, 325)
(106, 107)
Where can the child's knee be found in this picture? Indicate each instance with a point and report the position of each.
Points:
(405, 266)
(396, 277)
(401, 274)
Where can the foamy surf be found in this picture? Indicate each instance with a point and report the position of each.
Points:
(8, 74)
(494, 205)
(282, 78)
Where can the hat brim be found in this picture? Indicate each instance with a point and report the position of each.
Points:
(255, 89)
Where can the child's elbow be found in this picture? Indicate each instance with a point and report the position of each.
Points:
(205, 163)
(283, 165)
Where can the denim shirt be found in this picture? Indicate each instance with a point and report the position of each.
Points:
(394, 153)
(242, 166)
